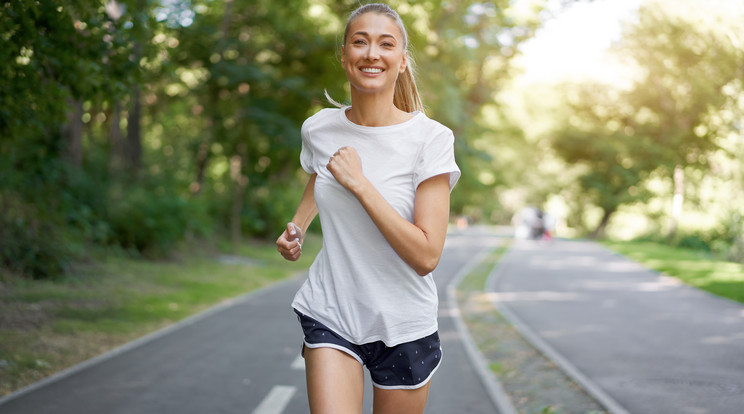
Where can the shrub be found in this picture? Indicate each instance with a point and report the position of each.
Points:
(32, 248)
(149, 220)
(700, 242)
(34, 238)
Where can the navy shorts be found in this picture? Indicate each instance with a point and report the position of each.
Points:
(408, 365)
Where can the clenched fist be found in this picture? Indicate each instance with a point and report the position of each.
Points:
(346, 167)
(289, 244)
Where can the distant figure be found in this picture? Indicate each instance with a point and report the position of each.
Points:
(538, 226)
(463, 222)
(532, 223)
(549, 223)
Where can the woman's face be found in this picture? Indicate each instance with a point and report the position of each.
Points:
(373, 54)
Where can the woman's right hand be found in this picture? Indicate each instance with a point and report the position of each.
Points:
(289, 244)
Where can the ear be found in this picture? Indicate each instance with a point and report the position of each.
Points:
(343, 53)
(403, 62)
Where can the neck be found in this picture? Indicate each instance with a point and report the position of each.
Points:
(375, 110)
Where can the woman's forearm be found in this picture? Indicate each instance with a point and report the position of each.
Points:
(289, 243)
(307, 209)
(419, 243)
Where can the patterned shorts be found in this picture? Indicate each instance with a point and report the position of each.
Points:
(408, 365)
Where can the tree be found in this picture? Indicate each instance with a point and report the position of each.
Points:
(253, 71)
(134, 122)
(465, 51)
(597, 138)
(667, 122)
(52, 54)
(687, 59)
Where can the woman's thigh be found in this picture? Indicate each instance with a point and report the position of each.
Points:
(335, 381)
(401, 401)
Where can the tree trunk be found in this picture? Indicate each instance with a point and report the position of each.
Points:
(202, 155)
(74, 133)
(116, 143)
(600, 230)
(241, 182)
(677, 201)
(134, 133)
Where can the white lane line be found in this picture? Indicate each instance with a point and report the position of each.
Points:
(298, 363)
(276, 401)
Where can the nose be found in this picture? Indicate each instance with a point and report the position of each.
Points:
(372, 52)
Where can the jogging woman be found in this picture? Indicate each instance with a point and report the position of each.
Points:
(381, 176)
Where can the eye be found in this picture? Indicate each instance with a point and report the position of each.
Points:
(388, 44)
(359, 42)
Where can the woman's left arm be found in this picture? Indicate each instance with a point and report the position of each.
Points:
(420, 243)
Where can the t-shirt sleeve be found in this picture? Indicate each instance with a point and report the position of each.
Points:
(306, 153)
(438, 157)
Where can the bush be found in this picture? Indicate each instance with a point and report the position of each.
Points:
(32, 248)
(700, 242)
(149, 220)
(34, 238)
(268, 209)
(725, 241)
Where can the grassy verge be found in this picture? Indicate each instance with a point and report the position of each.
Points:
(46, 326)
(532, 382)
(695, 268)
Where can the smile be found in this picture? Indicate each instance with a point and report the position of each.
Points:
(371, 70)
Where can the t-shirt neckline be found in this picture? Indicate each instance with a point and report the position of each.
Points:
(377, 129)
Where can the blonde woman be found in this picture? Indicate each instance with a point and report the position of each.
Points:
(381, 176)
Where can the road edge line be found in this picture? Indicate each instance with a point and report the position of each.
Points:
(547, 350)
(495, 391)
(135, 343)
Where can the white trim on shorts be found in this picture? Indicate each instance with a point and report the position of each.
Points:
(337, 347)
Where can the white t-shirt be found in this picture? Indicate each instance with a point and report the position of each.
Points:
(358, 285)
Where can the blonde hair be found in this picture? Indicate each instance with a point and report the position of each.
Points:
(406, 96)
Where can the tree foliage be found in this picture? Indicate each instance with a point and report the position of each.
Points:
(136, 123)
(55, 54)
(675, 116)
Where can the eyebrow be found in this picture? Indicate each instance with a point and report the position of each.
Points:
(367, 34)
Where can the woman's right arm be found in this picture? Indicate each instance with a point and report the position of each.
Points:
(289, 244)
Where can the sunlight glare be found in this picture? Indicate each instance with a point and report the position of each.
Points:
(573, 44)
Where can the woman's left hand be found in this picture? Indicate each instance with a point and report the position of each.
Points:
(346, 167)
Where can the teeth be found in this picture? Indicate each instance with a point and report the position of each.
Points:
(371, 70)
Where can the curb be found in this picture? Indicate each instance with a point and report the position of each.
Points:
(190, 320)
(493, 387)
(548, 351)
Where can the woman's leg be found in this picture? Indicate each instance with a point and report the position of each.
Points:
(335, 381)
(401, 401)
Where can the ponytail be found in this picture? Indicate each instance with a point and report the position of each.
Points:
(332, 101)
(406, 96)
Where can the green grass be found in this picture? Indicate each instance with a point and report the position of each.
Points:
(48, 325)
(693, 267)
(477, 278)
(533, 383)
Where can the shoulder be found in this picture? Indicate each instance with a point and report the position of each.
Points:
(432, 130)
(321, 118)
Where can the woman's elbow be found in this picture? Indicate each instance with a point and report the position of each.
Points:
(427, 265)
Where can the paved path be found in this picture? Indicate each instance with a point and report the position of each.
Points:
(242, 357)
(648, 342)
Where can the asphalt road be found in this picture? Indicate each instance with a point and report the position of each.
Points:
(243, 357)
(647, 343)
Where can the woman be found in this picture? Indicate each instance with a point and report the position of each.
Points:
(381, 175)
